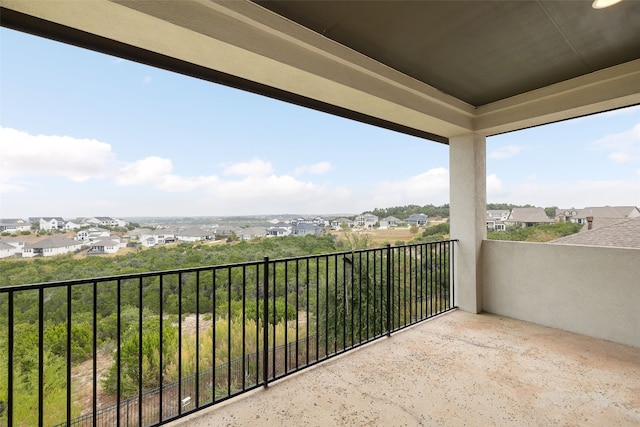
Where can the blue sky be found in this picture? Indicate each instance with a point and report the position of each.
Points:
(86, 134)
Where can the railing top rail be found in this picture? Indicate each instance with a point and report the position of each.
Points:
(132, 276)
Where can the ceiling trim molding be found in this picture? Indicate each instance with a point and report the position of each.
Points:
(243, 45)
(603, 90)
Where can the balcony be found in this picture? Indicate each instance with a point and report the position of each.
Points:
(357, 327)
(488, 369)
(456, 369)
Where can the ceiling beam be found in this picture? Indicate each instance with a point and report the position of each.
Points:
(603, 90)
(243, 45)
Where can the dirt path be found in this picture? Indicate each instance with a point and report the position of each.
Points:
(82, 374)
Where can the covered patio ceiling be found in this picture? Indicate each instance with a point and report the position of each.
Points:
(478, 51)
(433, 69)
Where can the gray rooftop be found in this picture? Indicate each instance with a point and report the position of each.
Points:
(53, 242)
(614, 232)
(13, 221)
(528, 215)
(105, 242)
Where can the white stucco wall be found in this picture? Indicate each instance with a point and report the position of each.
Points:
(590, 290)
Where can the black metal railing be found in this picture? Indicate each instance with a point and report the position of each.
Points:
(146, 349)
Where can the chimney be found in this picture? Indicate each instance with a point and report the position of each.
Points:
(589, 222)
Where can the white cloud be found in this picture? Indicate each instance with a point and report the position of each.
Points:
(254, 167)
(505, 152)
(620, 157)
(315, 169)
(428, 187)
(156, 172)
(495, 187)
(148, 171)
(26, 155)
(623, 147)
(274, 194)
(254, 190)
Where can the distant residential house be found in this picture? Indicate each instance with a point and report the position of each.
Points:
(495, 225)
(498, 214)
(91, 234)
(8, 250)
(152, 238)
(603, 231)
(629, 211)
(389, 222)
(366, 220)
(107, 221)
(320, 222)
(149, 237)
(282, 224)
(418, 220)
(11, 247)
(105, 246)
(580, 215)
(136, 233)
(496, 219)
(11, 225)
(528, 217)
(339, 223)
(226, 230)
(73, 225)
(51, 223)
(194, 235)
(251, 233)
(305, 229)
(278, 231)
(301, 220)
(51, 246)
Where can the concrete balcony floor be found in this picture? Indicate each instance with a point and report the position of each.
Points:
(457, 369)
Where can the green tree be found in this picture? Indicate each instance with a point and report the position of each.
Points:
(150, 377)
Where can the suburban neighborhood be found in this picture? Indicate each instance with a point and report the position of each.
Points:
(102, 235)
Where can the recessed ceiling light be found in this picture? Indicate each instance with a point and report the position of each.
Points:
(601, 4)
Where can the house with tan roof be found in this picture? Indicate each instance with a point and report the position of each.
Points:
(528, 217)
(252, 233)
(580, 215)
(51, 246)
(612, 232)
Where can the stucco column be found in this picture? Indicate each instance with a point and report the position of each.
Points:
(468, 200)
